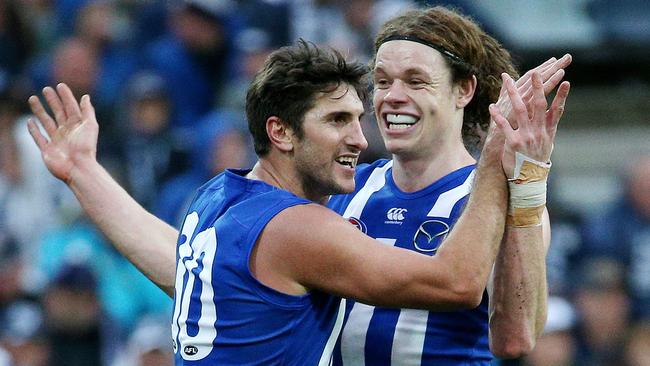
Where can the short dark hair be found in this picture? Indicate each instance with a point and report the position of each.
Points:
(288, 84)
(474, 52)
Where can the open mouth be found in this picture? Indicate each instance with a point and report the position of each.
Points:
(400, 121)
(348, 161)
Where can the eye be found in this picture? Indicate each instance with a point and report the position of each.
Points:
(417, 82)
(339, 118)
(382, 83)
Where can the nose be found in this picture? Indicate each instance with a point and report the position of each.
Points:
(355, 137)
(396, 93)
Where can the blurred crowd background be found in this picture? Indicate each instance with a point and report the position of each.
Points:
(168, 80)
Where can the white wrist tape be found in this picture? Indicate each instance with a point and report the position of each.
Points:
(527, 192)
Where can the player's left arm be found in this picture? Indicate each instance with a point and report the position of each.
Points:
(518, 288)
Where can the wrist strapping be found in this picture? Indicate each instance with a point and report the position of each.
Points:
(527, 192)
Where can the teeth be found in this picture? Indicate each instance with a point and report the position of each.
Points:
(393, 126)
(400, 118)
(347, 160)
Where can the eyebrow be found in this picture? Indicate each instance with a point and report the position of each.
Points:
(409, 71)
(344, 114)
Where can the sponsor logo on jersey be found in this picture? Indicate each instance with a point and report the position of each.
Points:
(395, 215)
(430, 235)
(358, 224)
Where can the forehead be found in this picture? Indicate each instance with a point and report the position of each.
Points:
(343, 99)
(399, 55)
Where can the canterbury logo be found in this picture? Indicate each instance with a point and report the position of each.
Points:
(396, 214)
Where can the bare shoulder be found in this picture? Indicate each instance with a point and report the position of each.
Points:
(301, 222)
(299, 245)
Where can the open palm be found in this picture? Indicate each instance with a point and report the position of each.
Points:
(72, 130)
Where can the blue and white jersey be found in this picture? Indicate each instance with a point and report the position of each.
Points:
(222, 314)
(417, 221)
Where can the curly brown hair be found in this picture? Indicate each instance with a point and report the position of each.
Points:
(288, 84)
(480, 55)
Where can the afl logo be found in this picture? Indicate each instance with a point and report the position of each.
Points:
(358, 224)
(429, 235)
(190, 350)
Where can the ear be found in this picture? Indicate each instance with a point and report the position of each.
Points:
(280, 135)
(466, 89)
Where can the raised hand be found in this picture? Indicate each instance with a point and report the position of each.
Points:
(552, 72)
(535, 125)
(71, 134)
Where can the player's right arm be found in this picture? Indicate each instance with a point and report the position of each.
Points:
(70, 155)
(310, 247)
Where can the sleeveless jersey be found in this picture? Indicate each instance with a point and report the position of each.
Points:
(417, 221)
(222, 314)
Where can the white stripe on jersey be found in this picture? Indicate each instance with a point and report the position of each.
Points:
(326, 357)
(408, 339)
(446, 201)
(374, 183)
(353, 339)
(352, 344)
(410, 330)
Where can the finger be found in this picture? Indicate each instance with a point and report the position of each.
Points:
(537, 105)
(501, 122)
(552, 70)
(549, 70)
(524, 80)
(87, 109)
(69, 103)
(53, 100)
(553, 81)
(518, 106)
(557, 106)
(38, 137)
(39, 111)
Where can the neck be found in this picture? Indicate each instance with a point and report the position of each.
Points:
(413, 173)
(276, 173)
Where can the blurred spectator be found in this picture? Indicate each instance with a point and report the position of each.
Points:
(101, 26)
(73, 317)
(23, 334)
(151, 152)
(565, 245)
(195, 57)
(637, 347)
(74, 62)
(42, 24)
(95, 59)
(623, 232)
(10, 273)
(29, 196)
(15, 38)
(65, 13)
(266, 29)
(602, 303)
(348, 26)
(122, 291)
(149, 344)
(5, 358)
(149, 21)
(220, 143)
(556, 346)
